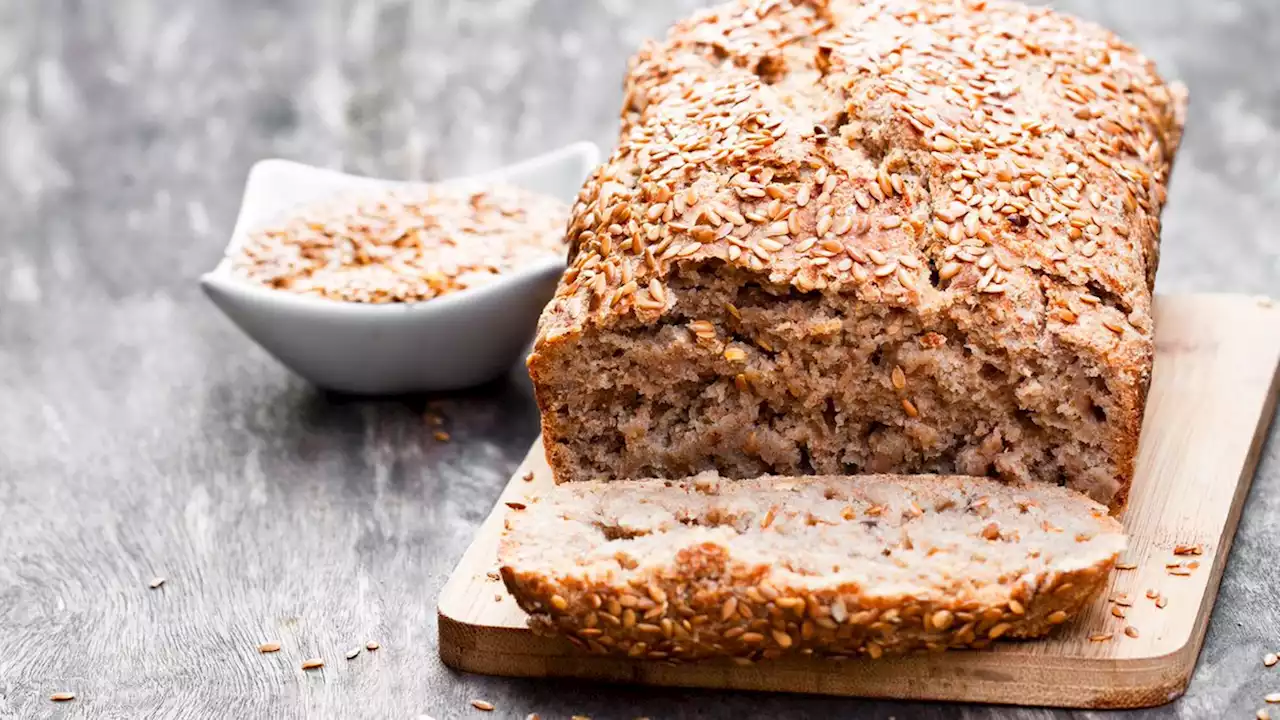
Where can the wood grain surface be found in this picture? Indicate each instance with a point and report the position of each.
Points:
(1212, 397)
(141, 434)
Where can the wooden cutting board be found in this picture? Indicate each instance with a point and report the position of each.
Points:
(1212, 398)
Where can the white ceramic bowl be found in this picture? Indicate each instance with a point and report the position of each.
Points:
(454, 341)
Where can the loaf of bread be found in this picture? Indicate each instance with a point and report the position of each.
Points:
(834, 566)
(857, 236)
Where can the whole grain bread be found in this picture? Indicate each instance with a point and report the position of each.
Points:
(833, 566)
(855, 236)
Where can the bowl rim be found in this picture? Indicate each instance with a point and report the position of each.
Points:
(223, 279)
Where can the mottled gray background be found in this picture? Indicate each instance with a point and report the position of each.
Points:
(141, 435)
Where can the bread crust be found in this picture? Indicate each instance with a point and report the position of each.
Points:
(986, 165)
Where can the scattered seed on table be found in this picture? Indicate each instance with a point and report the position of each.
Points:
(312, 664)
(1273, 697)
(1100, 637)
(269, 647)
(528, 477)
(442, 436)
(1126, 566)
(1263, 714)
(516, 505)
(155, 583)
(1131, 631)
(1270, 659)
(62, 696)
(352, 653)
(372, 645)
(484, 705)
(1161, 602)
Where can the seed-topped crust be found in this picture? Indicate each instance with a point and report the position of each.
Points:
(703, 567)
(987, 164)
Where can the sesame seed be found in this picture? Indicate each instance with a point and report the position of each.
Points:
(155, 583)
(1131, 631)
(312, 664)
(898, 377)
(484, 705)
(1100, 637)
(353, 652)
(1269, 659)
(62, 696)
(1273, 697)
(269, 647)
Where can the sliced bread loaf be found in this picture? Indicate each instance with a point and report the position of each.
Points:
(866, 236)
(835, 566)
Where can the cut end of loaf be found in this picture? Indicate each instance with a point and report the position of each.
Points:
(746, 378)
(829, 566)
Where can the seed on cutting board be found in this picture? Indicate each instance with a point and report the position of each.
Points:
(1100, 637)
(352, 653)
(269, 647)
(1270, 659)
(1126, 566)
(155, 583)
(372, 645)
(312, 664)
(528, 477)
(1273, 697)
(516, 505)
(1161, 602)
(1263, 714)
(441, 435)
(484, 705)
(1131, 631)
(62, 696)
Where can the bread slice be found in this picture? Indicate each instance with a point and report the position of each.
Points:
(867, 236)
(832, 566)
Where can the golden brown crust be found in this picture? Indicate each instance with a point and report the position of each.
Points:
(999, 166)
(746, 594)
